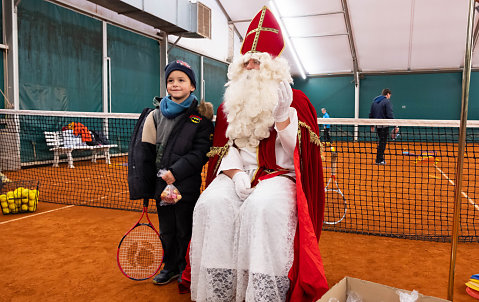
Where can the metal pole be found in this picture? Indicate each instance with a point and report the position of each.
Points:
(163, 62)
(466, 81)
(356, 104)
(202, 79)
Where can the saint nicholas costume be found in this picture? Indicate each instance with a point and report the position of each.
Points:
(265, 247)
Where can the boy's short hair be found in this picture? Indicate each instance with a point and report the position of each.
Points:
(386, 91)
(181, 66)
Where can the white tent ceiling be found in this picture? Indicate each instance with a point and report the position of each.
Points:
(387, 35)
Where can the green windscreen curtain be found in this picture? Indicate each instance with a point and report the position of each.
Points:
(59, 57)
(135, 70)
(434, 96)
(336, 94)
(215, 76)
(473, 108)
(414, 96)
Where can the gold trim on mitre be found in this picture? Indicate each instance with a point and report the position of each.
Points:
(258, 30)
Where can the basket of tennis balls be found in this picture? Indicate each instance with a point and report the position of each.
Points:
(19, 197)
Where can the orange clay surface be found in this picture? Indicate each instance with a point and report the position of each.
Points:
(68, 253)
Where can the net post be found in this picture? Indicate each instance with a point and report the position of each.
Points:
(466, 80)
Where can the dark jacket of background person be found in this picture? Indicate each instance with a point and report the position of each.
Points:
(381, 108)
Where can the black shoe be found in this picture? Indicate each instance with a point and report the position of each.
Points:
(381, 163)
(165, 277)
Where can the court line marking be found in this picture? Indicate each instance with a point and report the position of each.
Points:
(77, 180)
(103, 197)
(29, 216)
(462, 193)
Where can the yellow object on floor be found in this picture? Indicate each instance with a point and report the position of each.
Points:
(472, 283)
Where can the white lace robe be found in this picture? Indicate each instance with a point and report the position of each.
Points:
(243, 250)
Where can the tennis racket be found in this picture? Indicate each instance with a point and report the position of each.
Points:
(336, 204)
(140, 252)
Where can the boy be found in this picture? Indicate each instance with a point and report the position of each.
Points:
(181, 129)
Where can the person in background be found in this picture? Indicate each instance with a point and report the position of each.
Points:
(181, 131)
(326, 127)
(381, 108)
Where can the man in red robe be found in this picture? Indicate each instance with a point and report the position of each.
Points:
(256, 226)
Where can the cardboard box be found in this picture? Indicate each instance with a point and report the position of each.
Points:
(369, 292)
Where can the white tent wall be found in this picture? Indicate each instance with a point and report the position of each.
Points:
(409, 35)
(389, 35)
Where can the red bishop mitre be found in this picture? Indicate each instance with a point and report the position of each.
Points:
(263, 35)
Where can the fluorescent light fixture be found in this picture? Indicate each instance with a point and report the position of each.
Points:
(287, 39)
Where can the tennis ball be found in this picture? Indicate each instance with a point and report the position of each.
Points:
(24, 200)
(17, 192)
(18, 201)
(24, 207)
(31, 209)
(6, 211)
(4, 204)
(31, 202)
(12, 206)
(10, 194)
(3, 198)
(32, 194)
(25, 193)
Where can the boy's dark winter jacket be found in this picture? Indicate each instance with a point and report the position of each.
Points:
(184, 155)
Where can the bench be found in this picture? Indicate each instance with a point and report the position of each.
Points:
(59, 145)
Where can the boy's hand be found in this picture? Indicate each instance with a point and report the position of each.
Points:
(168, 177)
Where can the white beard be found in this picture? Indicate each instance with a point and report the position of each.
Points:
(249, 100)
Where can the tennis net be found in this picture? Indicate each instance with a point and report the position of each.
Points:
(410, 196)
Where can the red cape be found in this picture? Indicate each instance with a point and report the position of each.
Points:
(308, 281)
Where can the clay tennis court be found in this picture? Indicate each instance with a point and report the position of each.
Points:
(68, 253)
(66, 250)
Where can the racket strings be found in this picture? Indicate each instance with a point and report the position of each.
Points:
(140, 253)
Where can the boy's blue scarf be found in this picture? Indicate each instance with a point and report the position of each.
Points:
(171, 109)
